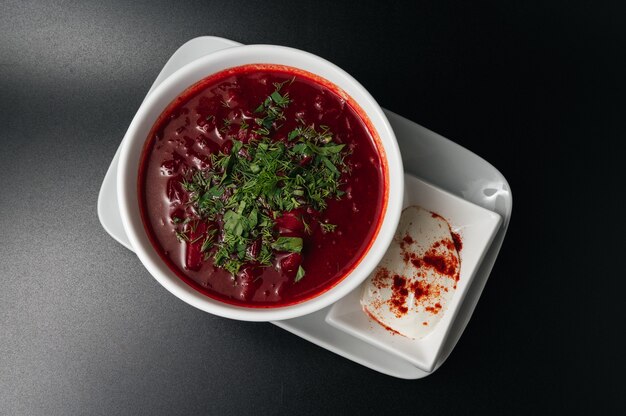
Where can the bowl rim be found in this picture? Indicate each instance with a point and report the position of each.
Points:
(178, 82)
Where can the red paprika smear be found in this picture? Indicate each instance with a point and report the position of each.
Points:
(381, 278)
(444, 264)
(420, 290)
(399, 293)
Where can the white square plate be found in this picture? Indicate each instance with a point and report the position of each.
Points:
(477, 227)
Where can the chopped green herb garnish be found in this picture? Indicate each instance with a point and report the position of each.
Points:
(181, 236)
(291, 244)
(209, 240)
(300, 274)
(245, 190)
(226, 126)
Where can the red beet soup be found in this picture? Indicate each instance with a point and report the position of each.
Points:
(262, 185)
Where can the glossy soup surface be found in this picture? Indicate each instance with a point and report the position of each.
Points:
(193, 127)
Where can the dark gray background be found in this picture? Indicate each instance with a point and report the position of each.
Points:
(536, 88)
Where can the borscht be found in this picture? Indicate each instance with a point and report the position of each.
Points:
(262, 185)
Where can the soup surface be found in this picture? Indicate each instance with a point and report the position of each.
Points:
(261, 186)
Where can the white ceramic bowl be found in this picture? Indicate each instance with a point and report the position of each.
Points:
(195, 71)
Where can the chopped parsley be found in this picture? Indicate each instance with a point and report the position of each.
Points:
(245, 190)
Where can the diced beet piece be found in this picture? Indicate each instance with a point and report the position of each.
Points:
(175, 192)
(200, 161)
(193, 256)
(227, 147)
(169, 167)
(248, 282)
(255, 248)
(178, 213)
(290, 223)
(290, 263)
(306, 160)
(196, 231)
